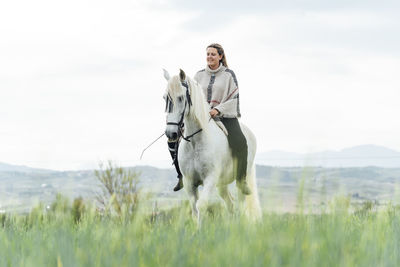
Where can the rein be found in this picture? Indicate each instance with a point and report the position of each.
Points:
(180, 124)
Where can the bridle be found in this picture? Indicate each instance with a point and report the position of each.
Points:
(180, 124)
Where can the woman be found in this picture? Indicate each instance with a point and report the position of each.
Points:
(220, 87)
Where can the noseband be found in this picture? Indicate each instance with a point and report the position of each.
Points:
(180, 124)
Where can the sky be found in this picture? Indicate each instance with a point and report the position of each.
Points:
(81, 82)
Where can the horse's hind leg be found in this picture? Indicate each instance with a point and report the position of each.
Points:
(226, 196)
(241, 201)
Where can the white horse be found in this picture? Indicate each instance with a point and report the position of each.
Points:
(204, 155)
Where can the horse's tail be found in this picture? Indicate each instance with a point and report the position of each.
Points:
(253, 209)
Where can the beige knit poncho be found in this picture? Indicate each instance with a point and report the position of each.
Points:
(221, 90)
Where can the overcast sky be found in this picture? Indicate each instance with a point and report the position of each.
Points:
(81, 81)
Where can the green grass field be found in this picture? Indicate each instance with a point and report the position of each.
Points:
(71, 235)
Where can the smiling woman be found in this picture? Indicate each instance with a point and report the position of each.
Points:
(221, 87)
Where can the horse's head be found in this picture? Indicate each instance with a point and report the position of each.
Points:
(178, 102)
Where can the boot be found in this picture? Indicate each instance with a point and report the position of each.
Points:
(173, 150)
(244, 188)
(241, 177)
(179, 185)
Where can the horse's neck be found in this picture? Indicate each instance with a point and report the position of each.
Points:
(191, 125)
(199, 112)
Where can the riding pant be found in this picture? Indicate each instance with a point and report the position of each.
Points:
(238, 145)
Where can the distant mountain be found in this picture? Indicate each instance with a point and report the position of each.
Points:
(357, 156)
(365, 172)
(278, 187)
(22, 187)
(4, 167)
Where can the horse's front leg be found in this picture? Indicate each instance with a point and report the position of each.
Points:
(193, 194)
(202, 203)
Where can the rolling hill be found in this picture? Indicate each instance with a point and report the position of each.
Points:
(358, 156)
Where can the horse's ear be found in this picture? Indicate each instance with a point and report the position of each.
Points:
(166, 74)
(182, 75)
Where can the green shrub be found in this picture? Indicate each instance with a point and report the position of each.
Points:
(78, 209)
(119, 191)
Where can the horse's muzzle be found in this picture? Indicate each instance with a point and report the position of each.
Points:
(172, 135)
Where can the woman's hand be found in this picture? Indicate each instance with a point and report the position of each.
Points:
(214, 113)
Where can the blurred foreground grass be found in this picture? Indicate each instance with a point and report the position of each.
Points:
(76, 234)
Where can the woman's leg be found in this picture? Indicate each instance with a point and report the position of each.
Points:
(238, 144)
(173, 150)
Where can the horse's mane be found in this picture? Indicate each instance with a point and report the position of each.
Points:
(199, 109)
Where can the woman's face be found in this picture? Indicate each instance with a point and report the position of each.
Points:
(213, 58)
